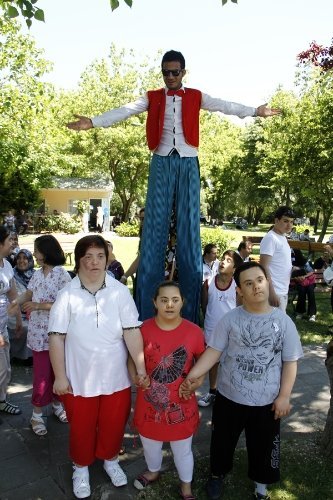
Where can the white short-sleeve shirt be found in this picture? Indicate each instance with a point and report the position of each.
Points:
(277, 246)
(95, 352)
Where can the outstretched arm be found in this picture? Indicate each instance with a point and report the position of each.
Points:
(263, 111)
(83, 123)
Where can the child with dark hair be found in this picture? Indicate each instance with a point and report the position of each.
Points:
(257, 346)
(217, 298)
(171, 346)
(37, 301)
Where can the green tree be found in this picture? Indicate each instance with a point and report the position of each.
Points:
(26, 124)
(220, 143)
(121, 150)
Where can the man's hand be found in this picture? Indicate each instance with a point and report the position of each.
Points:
(83, 123)
(263, 111)
(281, 407)
(62, 386)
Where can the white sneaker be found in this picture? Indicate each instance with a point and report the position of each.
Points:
(115, 473)
(312, 318)
(207, 399)
(81, 486)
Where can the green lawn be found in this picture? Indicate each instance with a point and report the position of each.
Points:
(305, 475)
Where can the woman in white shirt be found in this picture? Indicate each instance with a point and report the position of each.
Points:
(89, 322)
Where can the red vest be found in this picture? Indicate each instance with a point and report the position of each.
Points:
(191, 102)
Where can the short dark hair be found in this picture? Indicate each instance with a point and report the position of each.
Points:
(166, 284)
(4, 233)
(284, 211)
(173, 55)
(241, 246)
(244, 267)
(208, 248)
(238, 261)
(81, 247)
(51, 250)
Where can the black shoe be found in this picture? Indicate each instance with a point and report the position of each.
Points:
(214, 487)
(259, 496)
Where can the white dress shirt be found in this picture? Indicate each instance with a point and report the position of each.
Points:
(172, 135)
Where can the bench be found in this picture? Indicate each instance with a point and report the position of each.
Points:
(311, 247)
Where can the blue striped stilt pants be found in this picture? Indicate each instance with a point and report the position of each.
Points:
(171, 178)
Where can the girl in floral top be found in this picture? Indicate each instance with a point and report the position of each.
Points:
(37, 302)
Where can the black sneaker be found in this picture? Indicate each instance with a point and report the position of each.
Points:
(214, 487)
(259, 496)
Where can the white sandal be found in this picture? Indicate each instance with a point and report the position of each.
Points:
(38, 425)
(60, 413)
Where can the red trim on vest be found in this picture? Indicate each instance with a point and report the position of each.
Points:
(191, 103)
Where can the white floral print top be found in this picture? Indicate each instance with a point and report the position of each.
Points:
(44, 289)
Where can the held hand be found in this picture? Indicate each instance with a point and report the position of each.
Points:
(62, 386)
(28, 307)
(83, 123)
(142, 381)
(2, 341)
(187, 387)
(13, 308)
(263, 111)
(281, 407)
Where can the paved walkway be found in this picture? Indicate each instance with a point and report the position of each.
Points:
(38, 468)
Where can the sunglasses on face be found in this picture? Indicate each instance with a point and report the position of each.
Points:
(174, 72)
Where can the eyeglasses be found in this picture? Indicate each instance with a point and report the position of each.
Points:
(174, 72)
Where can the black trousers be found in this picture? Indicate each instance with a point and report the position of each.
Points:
(262, 439)
(303, 292)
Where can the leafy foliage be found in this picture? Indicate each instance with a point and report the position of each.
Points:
(128, 229)
(64, 223)
(217, 236)
(28, 9)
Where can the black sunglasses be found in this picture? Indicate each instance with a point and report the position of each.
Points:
(174, 72)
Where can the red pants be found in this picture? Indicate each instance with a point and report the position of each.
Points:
(43, 379)
(97, 425)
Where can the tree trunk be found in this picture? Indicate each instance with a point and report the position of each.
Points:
(326, 219)
(327, 440)
(315, 227)
(257, 216)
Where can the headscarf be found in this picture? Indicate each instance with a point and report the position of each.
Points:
(24, 277)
